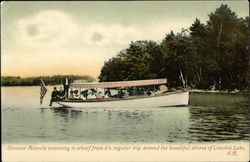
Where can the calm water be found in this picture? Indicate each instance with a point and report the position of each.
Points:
(212, 118)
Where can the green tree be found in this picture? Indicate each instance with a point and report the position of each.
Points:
(214, 54)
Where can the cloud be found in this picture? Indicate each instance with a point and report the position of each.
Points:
(56, 29)
(47, 28)
(103, 35)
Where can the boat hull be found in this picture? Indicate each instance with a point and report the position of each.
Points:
(166, 100)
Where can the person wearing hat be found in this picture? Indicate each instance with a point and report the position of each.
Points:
(54, 96)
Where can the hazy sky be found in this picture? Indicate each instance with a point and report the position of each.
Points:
(48, 38)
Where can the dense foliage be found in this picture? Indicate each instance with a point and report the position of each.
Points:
(48, 80)
(208, 55)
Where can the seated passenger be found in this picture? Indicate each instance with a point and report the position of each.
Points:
(107, 93)
(151, 93)
(126, 94)
(91, 96)
(83, 98)
(54, 96)
(162, 89)
(71, 96)
(75, 93)
(99, 96)
(120, 94)
(85, 93)
(94, 92)
(61, 94)
(106, 96)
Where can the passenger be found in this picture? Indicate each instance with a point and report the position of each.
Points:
(107, 93)
(85, 93)
(120, 94)
(99, 96)
(150, 93)
(106, 96)
(126, 94)
(82, 96)
(76, 93)
(61, 94)
(130, 92)
(71, 94)
(162, 89)
(54, 96)
(91, 96)
(94, 92)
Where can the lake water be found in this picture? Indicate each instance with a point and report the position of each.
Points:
(209, 118)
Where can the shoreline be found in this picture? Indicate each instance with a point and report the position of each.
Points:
(233, 92)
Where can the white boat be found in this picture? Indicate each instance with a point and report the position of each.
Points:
(162, 99)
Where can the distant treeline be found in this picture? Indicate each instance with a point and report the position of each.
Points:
(205, 56)
(48, 80)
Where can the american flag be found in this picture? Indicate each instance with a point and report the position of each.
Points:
(43, 91)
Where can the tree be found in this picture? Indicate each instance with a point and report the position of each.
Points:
(141, 60)
(212, 54)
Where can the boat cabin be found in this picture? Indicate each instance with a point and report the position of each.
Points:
(87, 91)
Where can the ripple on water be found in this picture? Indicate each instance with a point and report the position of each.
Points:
(192, 124)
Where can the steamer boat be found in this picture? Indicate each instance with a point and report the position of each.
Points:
(139, 93)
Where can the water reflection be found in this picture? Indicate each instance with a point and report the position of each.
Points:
(75, 114)
(103, 125)
(67, 113)
(213, 123)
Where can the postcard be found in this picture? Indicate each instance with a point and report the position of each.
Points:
(125, 81)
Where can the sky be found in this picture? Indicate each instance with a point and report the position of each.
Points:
(75, 38)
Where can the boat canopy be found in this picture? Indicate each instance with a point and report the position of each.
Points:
(119, 84)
